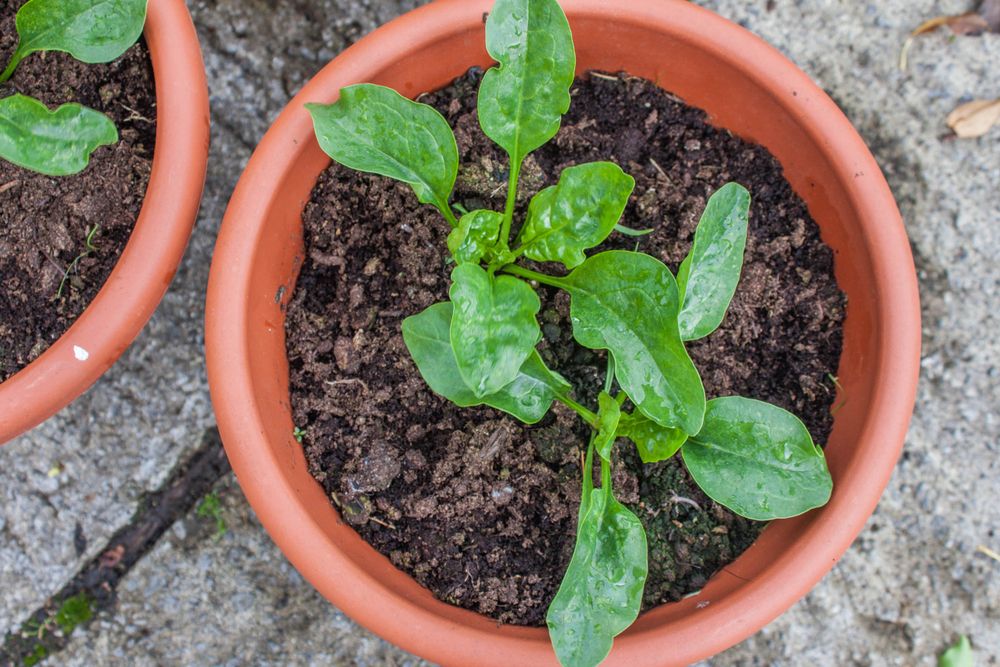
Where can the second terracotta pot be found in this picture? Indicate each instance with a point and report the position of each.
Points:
(154, 250)
(746, 87)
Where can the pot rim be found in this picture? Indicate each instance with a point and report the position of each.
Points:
(154, 250)
(423, 626)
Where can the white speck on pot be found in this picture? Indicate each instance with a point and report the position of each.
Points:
(80, 353)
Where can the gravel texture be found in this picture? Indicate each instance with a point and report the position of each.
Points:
(910, 583)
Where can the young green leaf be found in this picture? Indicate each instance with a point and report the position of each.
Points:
(628, 231)
(493, 327)
(54, 143)
(709, 274)
(476, 234)
(522, 101)
(654, 442)
(758, 460)
(608, 414)
(959, 655)
(92, 31)
(626, 302)
(576, 214)
(375, 129)
(601, 592)
(428, 338)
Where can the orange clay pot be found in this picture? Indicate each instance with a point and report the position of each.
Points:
(747, 87)
(147, 265)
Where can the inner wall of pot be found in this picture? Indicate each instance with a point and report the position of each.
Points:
(707, 79)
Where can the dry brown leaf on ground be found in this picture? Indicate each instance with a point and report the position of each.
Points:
(990, 11)
(985, 19)
(974, 119)
(963, 24)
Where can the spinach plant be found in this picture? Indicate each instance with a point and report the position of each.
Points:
(479, 348)
(59, 142)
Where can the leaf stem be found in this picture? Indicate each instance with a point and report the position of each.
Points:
(605, 475)
(609, 375)
(543, 278)
(14, 61)
(584, 413)
(508, 213)
(588, 473)
(449, 215)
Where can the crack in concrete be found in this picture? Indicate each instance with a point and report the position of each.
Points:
(97, 581)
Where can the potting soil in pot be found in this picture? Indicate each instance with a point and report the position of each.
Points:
(48, 274)
(476, 506)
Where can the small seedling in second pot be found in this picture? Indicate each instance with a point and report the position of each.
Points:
(479, 347)
(60, 142)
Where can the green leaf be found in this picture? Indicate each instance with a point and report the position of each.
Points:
(626, 302)
(758, 460)
(959, 655)
(628, 231)
(493, 327)
(709, 274)
(601, 592)
(375, 129)
(522, 101)
(576, 214)
(428, 338)
(54, 143)
(476, 234)
(654, 442)
(608, 414)
(92, 31)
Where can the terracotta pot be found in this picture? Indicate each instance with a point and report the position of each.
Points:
(147, 265)
(747, 87)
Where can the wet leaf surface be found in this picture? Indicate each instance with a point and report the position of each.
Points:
(493, 327)
(376, 130)
(627, 303)
(92, 31)
(758, 460)
(576, 214)
(601, 593)
(428, 338)
(55, 143)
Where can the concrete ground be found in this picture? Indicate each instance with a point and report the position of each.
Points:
(909, 585)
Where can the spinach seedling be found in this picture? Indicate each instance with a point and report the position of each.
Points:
(479, 348)
(59, 142)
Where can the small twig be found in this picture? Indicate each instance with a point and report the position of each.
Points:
(381, 522)
(134, 115)
(674, 498)
(338, 383)
(904, 54)
(606, 77)
(656, 165)
(989, 553)
(9, 186)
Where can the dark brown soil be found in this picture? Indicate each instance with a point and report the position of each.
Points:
(44, 221)
(479, 508)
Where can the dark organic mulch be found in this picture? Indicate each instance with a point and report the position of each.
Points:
(44, 221)
(477, 507)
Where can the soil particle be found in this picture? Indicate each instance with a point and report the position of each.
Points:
(479, 508)
(44, 221)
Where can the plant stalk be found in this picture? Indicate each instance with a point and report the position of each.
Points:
(585, 414)
(543, 278)
(508, 212)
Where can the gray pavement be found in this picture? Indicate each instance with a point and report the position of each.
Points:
(906, 588)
